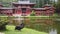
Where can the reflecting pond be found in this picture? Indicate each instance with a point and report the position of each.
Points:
(53, 31)
(44, 24)
(51, 26)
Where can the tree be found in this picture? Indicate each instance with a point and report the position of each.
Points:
(40, 3)
(58, 7)
(3, 23)
(33, 13)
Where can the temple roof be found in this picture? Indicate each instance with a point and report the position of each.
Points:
(22, 3)
(6, 8)
(48, 5)
(39, 8)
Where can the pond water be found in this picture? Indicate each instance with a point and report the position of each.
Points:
(48, 25)
(52, 31)
(51, 26)
(56, 28)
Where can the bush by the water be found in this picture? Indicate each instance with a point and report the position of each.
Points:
(3, 23)
(33, 13)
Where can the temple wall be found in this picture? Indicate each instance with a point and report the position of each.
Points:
(6, 12)
(42, 12)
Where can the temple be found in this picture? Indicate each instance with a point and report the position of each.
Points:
(25, 8)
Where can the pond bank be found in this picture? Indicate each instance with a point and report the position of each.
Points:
(11, 30)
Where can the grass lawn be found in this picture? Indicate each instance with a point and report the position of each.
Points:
(23, 31)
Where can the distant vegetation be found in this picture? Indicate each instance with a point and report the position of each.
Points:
(39, 3)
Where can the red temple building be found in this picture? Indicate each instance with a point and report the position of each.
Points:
(24, 8)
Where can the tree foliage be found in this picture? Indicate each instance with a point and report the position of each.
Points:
(39, 3)
(58, 7)
(33, 13)
(3, 23)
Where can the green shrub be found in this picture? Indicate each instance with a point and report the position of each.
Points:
(3, 23)
(33, 13)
